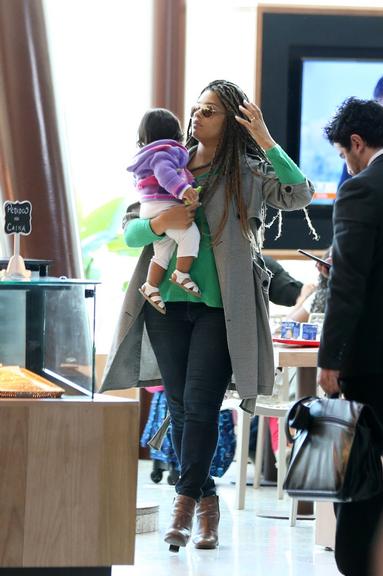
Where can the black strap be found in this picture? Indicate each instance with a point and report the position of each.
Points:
(298, 417)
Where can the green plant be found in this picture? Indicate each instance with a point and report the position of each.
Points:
(101, 231)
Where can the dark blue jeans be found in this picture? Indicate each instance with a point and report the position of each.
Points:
(191, 348)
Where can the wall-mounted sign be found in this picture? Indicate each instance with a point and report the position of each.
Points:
(18, 217)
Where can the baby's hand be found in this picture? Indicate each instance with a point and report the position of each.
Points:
(190, 195)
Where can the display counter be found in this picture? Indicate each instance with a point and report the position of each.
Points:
(68, 482)
(69, 464)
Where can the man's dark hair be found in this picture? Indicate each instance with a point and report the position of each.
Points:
(159, 124)
(355, 116)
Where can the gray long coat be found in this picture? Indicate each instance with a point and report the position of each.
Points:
(244, 287)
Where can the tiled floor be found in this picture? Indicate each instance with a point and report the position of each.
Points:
(250, 545)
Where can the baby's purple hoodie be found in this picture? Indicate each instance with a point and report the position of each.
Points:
(160, 170)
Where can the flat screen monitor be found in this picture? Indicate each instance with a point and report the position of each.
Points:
(326, 83)
(311, 60)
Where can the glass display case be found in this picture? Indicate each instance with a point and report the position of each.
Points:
(47, 338)
(47, 327)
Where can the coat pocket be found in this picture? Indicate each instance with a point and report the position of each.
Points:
(262, 285)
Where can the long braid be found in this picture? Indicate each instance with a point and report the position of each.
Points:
(235, 143)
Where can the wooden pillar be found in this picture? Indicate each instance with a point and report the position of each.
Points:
(30, 157)
(169, 20)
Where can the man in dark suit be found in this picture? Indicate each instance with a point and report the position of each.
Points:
(378, 97)
(351, 350)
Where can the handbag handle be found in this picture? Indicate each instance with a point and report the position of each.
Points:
(298, 417)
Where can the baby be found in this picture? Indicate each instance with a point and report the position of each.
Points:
(162, 181)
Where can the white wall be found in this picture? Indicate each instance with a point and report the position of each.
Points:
(101, 60)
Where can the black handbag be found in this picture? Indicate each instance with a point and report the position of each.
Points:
(336, 454)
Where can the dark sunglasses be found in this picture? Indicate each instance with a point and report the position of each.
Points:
(206, 110)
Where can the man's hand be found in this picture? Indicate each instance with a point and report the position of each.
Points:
(328, 381)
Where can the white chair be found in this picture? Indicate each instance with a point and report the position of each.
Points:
(263, 411)
(274, 406)
(264, 407)
(242, 451)
(243, 434)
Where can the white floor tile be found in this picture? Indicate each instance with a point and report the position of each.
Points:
(250, 545)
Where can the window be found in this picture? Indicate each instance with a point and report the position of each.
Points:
(101, 63)
(220, 40)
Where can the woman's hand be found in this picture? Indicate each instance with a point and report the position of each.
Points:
(255, 125)
(178, 217)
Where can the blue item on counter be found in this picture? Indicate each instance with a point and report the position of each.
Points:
(290, 329)
(309, 331)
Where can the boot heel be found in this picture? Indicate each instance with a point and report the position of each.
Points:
(179, 532)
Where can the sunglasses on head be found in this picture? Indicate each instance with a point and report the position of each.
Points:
(206, 110)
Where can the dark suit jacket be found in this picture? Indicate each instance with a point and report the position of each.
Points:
(352, 336)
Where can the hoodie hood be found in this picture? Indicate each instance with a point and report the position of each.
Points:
(141, 161)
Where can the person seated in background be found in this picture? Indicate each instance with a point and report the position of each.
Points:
(312, 299)
(284, 290)
(314, 302)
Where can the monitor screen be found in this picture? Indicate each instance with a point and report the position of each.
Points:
(326, 83)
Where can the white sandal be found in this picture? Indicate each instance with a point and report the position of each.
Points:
(183, 280)
(153, 296)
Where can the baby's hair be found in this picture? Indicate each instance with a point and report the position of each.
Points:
(159, 124)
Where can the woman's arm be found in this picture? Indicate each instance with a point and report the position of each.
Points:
(286, 170)
(138, 233)
(299, 315)
(141, 231)
(278, 193)
(301, 311)
(284, 167)
(285, 186)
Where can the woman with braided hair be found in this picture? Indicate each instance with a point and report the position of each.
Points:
(201, 343)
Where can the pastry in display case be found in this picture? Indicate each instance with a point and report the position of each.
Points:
(16, 382)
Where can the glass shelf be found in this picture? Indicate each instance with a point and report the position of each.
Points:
(47, 325)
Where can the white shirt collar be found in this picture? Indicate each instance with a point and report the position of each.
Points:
(374, 156)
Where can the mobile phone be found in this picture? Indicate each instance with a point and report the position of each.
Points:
(316, 258)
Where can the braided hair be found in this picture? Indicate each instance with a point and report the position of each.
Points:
(235, 143)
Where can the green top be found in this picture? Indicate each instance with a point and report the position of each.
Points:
(285, 168)
(203, 270)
